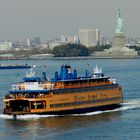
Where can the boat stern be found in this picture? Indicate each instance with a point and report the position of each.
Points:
(13, 107)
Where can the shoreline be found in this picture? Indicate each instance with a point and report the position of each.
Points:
(76, 58)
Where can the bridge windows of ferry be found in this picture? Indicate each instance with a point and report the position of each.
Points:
(82, 82)
(84, 89)
(61, 91)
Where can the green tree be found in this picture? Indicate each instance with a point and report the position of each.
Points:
(70, 50)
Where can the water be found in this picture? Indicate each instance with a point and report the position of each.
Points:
(119, 124)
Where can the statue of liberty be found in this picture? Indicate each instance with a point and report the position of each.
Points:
(119, 28)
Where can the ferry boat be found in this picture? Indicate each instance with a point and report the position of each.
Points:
(66, 93)
(15, 66)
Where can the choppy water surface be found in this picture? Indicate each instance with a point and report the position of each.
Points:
(119, 124)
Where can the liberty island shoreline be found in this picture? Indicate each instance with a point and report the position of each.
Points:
(76, 58)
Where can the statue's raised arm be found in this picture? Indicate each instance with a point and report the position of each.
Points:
(119, 28)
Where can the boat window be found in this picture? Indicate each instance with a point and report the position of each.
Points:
(79, 90)
(38, 104)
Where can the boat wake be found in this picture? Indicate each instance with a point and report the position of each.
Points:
(127, 105)
(26, 117)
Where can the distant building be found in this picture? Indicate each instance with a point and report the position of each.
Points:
(36, 41)
(76, 39)
(44, 44)
(5, 46)
(56, 43)
(28, 42)
(41, 56)
(89, 37)
(69, 39)
(63, 38)
(7, 56)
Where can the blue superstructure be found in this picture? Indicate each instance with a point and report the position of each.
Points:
(66, 74)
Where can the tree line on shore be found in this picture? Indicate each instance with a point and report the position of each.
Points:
(67, 50)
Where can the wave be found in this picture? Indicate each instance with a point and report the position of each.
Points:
(127, 105)
(26, 117)
(133, 104)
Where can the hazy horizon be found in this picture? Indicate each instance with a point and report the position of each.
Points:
(51, 18)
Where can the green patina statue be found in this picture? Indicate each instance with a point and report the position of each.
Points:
(119, 28)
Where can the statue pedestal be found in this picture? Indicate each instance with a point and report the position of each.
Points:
(118, 48)
(119, 41)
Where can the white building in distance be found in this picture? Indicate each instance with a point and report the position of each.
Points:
(70, 39)
(89, 37)
(56, 43)
(44, 44)
(64, 40)
(28, 42)
(5, 46)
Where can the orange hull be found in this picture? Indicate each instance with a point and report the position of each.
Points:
(78, 100)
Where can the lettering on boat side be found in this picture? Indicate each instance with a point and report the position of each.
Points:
(79, 98)
(57, 100)
(91, 97)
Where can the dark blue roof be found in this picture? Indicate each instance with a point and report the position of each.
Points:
(32, 79)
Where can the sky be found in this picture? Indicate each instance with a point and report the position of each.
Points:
(51, 18)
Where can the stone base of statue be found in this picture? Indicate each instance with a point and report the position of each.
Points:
(118, 48)
(125, 52)
(119, 41)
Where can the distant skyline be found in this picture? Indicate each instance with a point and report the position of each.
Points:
(51, 18)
